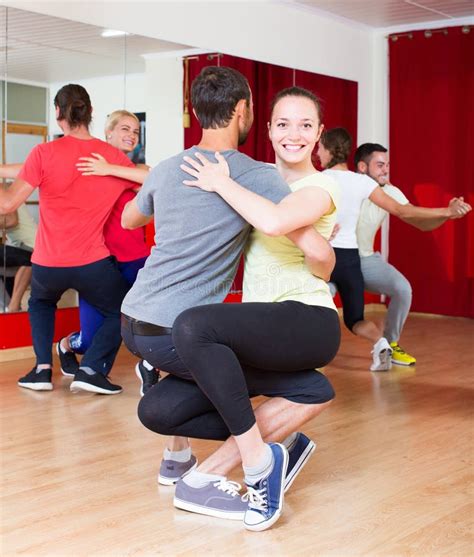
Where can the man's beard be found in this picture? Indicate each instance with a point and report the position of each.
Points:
(378, 180)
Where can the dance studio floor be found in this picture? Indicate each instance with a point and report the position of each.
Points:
(392, 474)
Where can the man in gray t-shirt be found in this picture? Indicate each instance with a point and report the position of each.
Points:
(198, 237)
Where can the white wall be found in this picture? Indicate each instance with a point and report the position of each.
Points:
(269, 32)
(164, 108)
(273, 32)
(107, 95)
(157, 92)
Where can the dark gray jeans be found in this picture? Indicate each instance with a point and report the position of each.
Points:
(101, 285)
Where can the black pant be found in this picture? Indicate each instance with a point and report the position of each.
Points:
(213, 341)
(101, 285)
(175, 406)
(287, 336)
(347, 276)
(12, 256)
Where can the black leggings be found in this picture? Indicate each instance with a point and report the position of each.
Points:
(101, 285)
(176, 406)
(347, 276)
(213, 341)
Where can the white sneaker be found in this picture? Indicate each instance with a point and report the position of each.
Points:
(381, 356)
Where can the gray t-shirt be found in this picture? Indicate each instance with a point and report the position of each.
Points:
(198, 237)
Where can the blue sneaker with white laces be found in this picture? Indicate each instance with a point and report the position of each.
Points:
(298, 456)
(265, 498)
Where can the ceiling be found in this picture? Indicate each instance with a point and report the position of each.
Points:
(388, 13)
(48, 49)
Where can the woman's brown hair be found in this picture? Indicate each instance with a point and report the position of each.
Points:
(339, 143)
(297, 92)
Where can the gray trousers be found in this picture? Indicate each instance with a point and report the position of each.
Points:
(382, 278)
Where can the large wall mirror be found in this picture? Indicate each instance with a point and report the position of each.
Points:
(38, 55)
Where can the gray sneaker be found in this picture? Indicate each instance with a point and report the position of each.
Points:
(171, 470)
(219, 498)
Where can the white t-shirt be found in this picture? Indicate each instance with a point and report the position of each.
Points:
(355, 188)
(371, 218)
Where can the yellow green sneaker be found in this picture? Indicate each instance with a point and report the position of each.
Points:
(400, 357)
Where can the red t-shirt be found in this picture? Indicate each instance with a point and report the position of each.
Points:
(125, 245)
(73, 207)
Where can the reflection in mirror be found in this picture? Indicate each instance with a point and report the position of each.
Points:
(39, 55)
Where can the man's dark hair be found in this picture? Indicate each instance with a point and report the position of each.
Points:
(215, 93)
(74, 105)
(338, 142)
(365, 151)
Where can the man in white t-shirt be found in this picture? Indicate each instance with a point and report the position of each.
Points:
(379, 276)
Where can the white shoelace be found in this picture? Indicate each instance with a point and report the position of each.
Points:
(257, 498)
(229, 487)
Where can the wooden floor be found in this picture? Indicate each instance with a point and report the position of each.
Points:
(392, 474)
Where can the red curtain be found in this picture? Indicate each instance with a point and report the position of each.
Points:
(338, 96)
(431, 146)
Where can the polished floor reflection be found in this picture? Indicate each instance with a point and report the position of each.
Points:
(392, 473)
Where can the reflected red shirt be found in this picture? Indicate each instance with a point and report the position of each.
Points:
(125, 245)
(73, 208)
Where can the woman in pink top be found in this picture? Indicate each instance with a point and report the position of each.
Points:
(70, 250)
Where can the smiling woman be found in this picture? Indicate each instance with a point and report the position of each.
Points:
(122, 129)
(295, 127)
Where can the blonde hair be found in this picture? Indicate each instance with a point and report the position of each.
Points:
(114, 117)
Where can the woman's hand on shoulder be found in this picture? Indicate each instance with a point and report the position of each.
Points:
(95, 165)
(209, 176)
